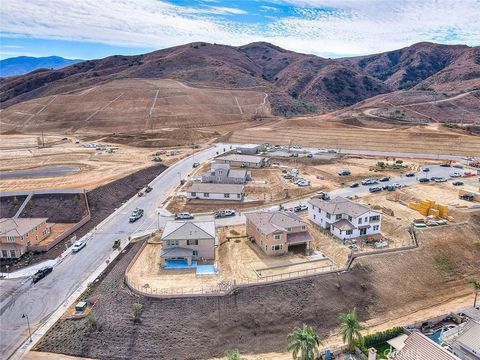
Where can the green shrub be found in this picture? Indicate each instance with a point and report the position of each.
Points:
(381, 336)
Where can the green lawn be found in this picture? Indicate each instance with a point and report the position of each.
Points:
(381, 354)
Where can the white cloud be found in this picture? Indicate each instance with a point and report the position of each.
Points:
(324, 27)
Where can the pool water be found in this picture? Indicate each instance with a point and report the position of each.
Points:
(435, 337)
(206, 270)
(179, 264)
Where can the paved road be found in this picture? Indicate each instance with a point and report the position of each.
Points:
(47, 171)
(40, 300)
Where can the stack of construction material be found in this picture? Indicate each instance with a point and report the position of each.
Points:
(429, 207)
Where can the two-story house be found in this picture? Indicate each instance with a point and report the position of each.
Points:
(274, 232)
(344, 218)
(222, 174)
(188, 241)
(17, 234)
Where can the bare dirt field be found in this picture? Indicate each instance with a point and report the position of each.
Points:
(95, 168)
(134, 105)
(384, 289)
(322, 131)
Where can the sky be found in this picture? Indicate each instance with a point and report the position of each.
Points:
(90, 29)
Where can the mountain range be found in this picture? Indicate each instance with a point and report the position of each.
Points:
(295, 83)
(24, 64)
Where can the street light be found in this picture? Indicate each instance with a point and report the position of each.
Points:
(28, 323)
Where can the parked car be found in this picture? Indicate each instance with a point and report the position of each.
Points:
(322, 195)
(196, 164)
(303, 182)
(310, 155)
(183, 216)
(354, 185)
(426, 169)
(440, 179)
(78, 245)
(467, 197)
(374, 189)
(455, 174)
(458, 166)
(383, 179)
(445, 165)
(136, 214)
(424, 180)
(344, 173)
(381, 244)
(224, 213)
(410, 174)
(301, 207)
(369, 182)
(457, 183)
(41, 273)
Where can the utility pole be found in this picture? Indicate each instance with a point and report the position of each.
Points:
(28, 323)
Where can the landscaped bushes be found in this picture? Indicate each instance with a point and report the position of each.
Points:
(381, 337)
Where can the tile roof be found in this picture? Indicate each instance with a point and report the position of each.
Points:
(189, 230)
(340, 205)
(269, 222)
(216, 188)
(418, 346)
(465, 336)
(343, 224)
(242, 158)
(18, 226)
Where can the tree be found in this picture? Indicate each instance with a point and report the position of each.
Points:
(233, 355)
(304, 343)
(350, 328)
(137, 311)
(476, 287)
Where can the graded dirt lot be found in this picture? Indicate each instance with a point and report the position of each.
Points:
(384, 288)
(322, 131)
(236, 258)
(95, 168)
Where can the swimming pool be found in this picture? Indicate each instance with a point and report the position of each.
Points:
(435, 337)
(179, 264)
(206, 270)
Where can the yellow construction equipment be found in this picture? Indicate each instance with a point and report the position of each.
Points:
(429, 207)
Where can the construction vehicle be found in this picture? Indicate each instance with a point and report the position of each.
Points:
(148, 189)
(322, 195)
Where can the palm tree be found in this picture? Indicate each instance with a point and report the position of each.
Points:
(350, 328)
(303, 341)
(233, 355)
(476, 288)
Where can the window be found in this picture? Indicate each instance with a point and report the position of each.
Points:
(314, 216)
(338, 216)
(304, 227)
(239, 196)
(359, 220)
(349, 232)
(172, 242)
(277, 247)
(349, 218)
(226, 196)
(12, 253)
(289, 229)
(375, 227)
(195, 253)
(319, 210)
(374, 218)
(10, 238)
(277, 236)
(192, 242)
(4, 253)
(193, 193)
(366, 219)
(206, 195)
(328, 216)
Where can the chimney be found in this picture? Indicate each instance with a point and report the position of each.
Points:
(372, 354)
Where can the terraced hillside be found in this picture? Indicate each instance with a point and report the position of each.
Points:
(134, 105)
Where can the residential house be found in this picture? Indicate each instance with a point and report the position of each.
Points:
(222, 174)
(17, 234)
(274, 232)
(228, 192)
(240, 160)
(419, 347)
(188, 241)
(464, 340)
(344, 218)
(250, 149)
